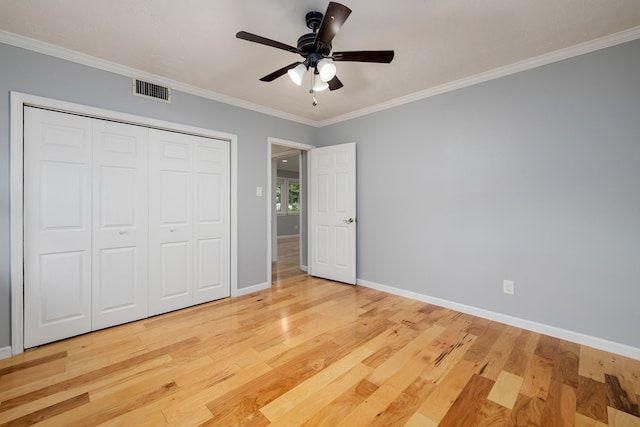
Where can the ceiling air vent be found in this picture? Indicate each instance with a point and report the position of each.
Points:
(151, 90)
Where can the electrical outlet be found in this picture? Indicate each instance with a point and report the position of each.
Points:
(259, 191)
(508, 286)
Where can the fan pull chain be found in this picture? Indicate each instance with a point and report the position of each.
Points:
(314, 101)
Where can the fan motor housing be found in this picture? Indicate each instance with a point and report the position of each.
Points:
(306, 45)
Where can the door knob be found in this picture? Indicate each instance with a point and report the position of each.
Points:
(348, 221)
(121, 232)
(172, 229)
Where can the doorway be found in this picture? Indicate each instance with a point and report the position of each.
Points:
(287, 208)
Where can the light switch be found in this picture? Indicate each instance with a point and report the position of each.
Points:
(259, 191)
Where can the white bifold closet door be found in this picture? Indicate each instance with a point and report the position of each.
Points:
(121, 222)
(189, 220)
(57, 226)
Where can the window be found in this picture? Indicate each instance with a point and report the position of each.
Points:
(293, 187)
(288, 196)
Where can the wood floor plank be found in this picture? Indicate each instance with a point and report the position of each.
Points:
(494, 361)
(466, 408)
(32, 363)
(565, 368)
(621, 395)
(584, 421)
(560, 406)
(309, 351)
(523, 350)
(591, 399)
(301, 410)
(278, 407)
(343, 405)
(537, 377)
(492, 414)
(527, 411)
(506, 389)
(404, 355)
(591, 363)
(91, 376)
(50, 411)
(436, 405)
(621, 419)
(488, 333)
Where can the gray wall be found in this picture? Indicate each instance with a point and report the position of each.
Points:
(534, 177)
(29, 72)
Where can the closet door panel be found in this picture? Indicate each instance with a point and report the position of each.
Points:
(120, 223)
(170, 221)
(57, 226)
(212, 220)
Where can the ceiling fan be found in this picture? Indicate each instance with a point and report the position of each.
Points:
(316, 47)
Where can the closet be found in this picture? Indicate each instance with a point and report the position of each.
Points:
(121, 222)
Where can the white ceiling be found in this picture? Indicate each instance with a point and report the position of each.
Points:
(435, 41)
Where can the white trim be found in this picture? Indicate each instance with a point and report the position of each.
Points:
(294, 145)
(5, 352)
(553, 331)
(527, 64)
(18, 100)
(16, 196)
(101, 64)
(304, 268)
(253, 288)
(234, 216)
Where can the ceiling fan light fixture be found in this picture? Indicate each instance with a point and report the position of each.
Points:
(327, 69)
(296, 74)
(318, 84)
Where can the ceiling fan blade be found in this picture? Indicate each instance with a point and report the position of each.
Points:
(335, 83)
(333, 19)
(271, 77)
(384, 56)
(265, 41)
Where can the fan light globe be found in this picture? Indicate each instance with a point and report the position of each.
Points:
(318, 84)
(326, 69)
(296, 74)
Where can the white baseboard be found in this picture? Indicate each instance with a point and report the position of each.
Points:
(610, 346)
(5, 352)
(304, 268)
(252, 288)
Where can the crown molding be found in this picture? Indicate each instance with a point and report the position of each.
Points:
(527, 64)
(104, 65)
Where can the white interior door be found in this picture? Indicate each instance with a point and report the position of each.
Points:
(170, 221)
(57, 226)
(332, 212)
(120, 223)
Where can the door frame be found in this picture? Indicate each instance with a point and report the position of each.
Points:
(298, 146)
(18, 101)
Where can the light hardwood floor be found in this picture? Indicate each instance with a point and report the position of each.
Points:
(314, 352)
